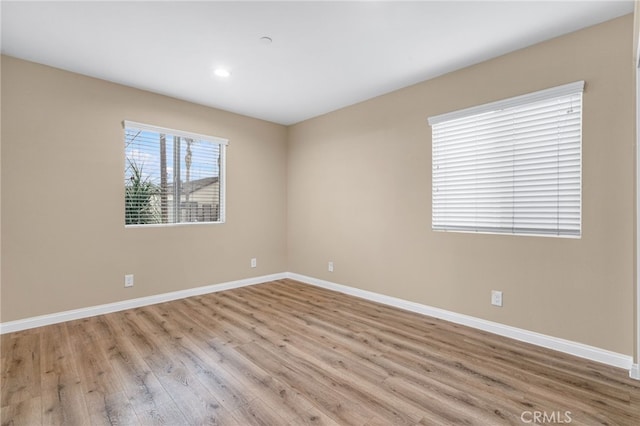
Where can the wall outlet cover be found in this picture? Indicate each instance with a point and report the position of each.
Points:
(128, 280)
(496, 298)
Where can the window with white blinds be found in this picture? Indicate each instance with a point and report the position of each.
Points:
(512, 166)
(172, 176)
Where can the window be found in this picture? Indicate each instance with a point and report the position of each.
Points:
(512, 166)
(172, 176)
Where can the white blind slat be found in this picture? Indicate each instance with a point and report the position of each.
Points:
(512, 166)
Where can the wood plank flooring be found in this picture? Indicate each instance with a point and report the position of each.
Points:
(285, 353)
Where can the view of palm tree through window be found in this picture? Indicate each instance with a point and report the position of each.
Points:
(171, 179)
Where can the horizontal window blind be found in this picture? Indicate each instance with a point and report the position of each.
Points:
(512, 166)
(172, 176)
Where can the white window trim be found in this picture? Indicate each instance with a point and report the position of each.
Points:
(540, 95)
(223, 168)
(174, 132)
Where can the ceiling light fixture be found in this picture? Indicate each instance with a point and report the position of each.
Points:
(222, 72)
(266, 40)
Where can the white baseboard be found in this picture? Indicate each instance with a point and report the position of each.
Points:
(23, 324)
(562, 345)
(634, 373)
(574, 348)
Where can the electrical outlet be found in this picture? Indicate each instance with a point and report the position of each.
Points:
(496, 298)
(128, 280)
(330, 267)
(254, 262)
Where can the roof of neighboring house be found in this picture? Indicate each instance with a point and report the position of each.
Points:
(195, 185)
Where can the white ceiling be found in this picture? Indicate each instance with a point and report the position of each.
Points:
(324, 55)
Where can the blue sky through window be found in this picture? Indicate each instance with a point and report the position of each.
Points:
(142, 148)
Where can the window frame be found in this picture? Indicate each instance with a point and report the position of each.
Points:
(510, 104)
(221, 142)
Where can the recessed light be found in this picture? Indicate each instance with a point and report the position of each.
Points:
(265, 40)
(222, 72)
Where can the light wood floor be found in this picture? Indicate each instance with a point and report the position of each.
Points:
(284, 353)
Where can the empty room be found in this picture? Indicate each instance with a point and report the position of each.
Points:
(319, 213)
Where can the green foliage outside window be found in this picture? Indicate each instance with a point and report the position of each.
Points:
(139, 197)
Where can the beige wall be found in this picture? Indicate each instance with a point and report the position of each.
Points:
(636, 60)
(1, 57)
(352, 187)
(360, 195)
(64, 244)
(636, 30)
(636, 64)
